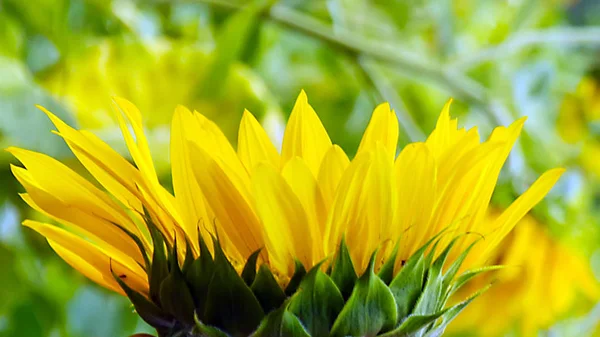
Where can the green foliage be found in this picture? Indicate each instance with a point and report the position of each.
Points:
(371, 308)
(210, 298)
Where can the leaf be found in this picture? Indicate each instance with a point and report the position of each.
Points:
(230, 304)
(249, 271)
(317, 302)
(267, 290)
(370, 310)
(299, 272)
(343, 272)
(281, 323)
(231, 41)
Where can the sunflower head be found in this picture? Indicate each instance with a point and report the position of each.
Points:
(302, 241)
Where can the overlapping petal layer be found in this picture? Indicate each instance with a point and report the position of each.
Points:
(295, 205)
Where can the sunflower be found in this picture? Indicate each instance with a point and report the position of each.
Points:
(345, 247)
(553, 277)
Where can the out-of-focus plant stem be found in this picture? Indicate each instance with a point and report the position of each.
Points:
(461, 87)
(382, 85)
(566, 36)
(370, 54)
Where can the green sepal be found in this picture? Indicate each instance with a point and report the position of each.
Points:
(386, 273)
(226, 289)
(138, 242)
(147, 310)
(267, 290)
(281, 323)
(207, 331)
(452, 312)
(317, 302)
(418, 325)
(189, 257)
(343, 272)
(413, 324)
(249, 271)
(468, 275)
(408, 283)
(371, 308)
(432, 298)
(299, 273)
(159, 269)
(450, 275)
(199, 275)
(175, 296)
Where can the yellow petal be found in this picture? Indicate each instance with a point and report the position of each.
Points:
(66, 185)
(363, 206)
(122, 189)
(456, 190)
(481, 197)
(383, 129)
(138, 146)
(416, 184)
(159, 203)
(286, 225)
(254, 146)
(332, 169)
(305, 136)
(90, 259)
(440, 138)
(190, 198)
(304, 185)
(208, 136)
(230, 199)
(524, 203)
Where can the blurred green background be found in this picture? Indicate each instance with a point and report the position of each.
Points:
(499, 60)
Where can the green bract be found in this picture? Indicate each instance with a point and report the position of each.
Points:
(206, 297)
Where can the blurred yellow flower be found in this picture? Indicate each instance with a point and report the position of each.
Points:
(542, 281)
(156, 76)
(578, 120)
(296, 204)
(578, 110)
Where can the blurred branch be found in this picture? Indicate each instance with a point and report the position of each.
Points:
(381, 83)
(567, 36)
(404, 60)
(417, 66)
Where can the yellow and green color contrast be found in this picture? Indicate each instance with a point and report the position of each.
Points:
(299, 242)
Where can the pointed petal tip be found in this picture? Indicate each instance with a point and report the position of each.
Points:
(558, 172)
(302, 97)
(247, 115)
(13, 149)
